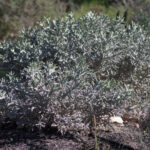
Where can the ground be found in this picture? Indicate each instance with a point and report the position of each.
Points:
(110, 137)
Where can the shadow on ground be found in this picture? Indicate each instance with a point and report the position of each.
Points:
(115, 138)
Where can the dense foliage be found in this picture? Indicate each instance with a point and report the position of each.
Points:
(66, 71)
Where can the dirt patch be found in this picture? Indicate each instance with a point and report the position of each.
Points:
(111, 136)
(21, 139)
(127, 136)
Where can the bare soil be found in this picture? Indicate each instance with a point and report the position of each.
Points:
(110, 137)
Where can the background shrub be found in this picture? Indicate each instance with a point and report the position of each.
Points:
(141, 15)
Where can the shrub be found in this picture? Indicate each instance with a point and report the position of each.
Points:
(65, 71)
(68, 98)
(108, 46)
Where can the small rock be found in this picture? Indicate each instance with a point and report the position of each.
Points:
(116, 119)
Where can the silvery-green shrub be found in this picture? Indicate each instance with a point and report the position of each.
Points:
(67, 98)
(107, 45)
(65, 71)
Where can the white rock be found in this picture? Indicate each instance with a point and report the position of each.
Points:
(116, 119)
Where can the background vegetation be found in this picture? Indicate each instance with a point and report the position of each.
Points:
(18, 14)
